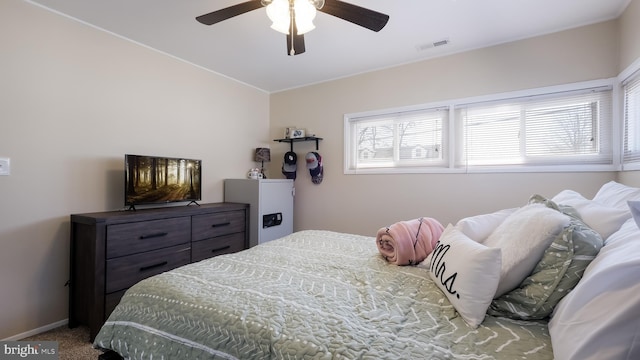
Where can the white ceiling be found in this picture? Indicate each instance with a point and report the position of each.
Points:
(245, 48)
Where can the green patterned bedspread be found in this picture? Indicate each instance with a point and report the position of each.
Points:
(310, 295)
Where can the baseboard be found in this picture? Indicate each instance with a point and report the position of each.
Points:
(37, 331)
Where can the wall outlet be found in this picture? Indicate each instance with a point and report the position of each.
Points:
(5, 166)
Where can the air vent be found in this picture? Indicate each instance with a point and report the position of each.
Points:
(427, 46)
(441, 43)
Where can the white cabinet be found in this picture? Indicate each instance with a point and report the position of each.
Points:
(271, 206)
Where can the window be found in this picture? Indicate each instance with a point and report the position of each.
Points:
(560, 128)
(631, 114)
(401, 139)
(566, 128)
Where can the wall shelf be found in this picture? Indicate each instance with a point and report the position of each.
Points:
(306, 138)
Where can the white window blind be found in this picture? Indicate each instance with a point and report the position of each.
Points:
(415, 138)
(565, 128)
(631, 114)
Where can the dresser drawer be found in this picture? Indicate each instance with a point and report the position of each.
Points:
(217, 246)
(137, 237)
(212, 225)
(125, 271)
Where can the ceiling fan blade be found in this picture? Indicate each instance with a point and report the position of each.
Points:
(369, 19)
(297, 45)
(229, 12)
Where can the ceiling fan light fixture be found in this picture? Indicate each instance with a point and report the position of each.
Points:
(305, 14)
(279, 13)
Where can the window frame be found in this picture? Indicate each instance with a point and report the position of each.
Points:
(630, 74)
(454, 141)
(349, 141)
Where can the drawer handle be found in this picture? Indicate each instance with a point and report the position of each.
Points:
(145, 268)
(143, 237)
(221, 248)
(221, 224)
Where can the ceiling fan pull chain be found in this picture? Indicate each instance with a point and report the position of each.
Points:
(292, 15)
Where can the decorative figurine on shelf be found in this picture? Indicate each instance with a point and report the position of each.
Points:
(254, 174)
(297, 133)
(262, 155)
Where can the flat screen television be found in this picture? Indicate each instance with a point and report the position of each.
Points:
(159, 180)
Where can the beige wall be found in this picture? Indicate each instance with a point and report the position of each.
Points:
(363, 203)
(73, 101)
(629, 39)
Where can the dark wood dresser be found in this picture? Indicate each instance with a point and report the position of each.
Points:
(111, 251)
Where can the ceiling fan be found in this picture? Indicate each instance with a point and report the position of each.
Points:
(294, 17)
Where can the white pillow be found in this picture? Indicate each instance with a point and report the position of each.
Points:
(599, 319)
(604, 219)
(634, 206)
(479, 227)
(523, 237)
(616, 195)
(466, 271)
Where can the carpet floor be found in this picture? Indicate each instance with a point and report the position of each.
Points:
(73, 344)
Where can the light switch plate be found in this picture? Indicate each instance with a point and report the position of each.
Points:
(5, 166)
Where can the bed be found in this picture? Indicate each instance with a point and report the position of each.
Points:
(327, 295)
